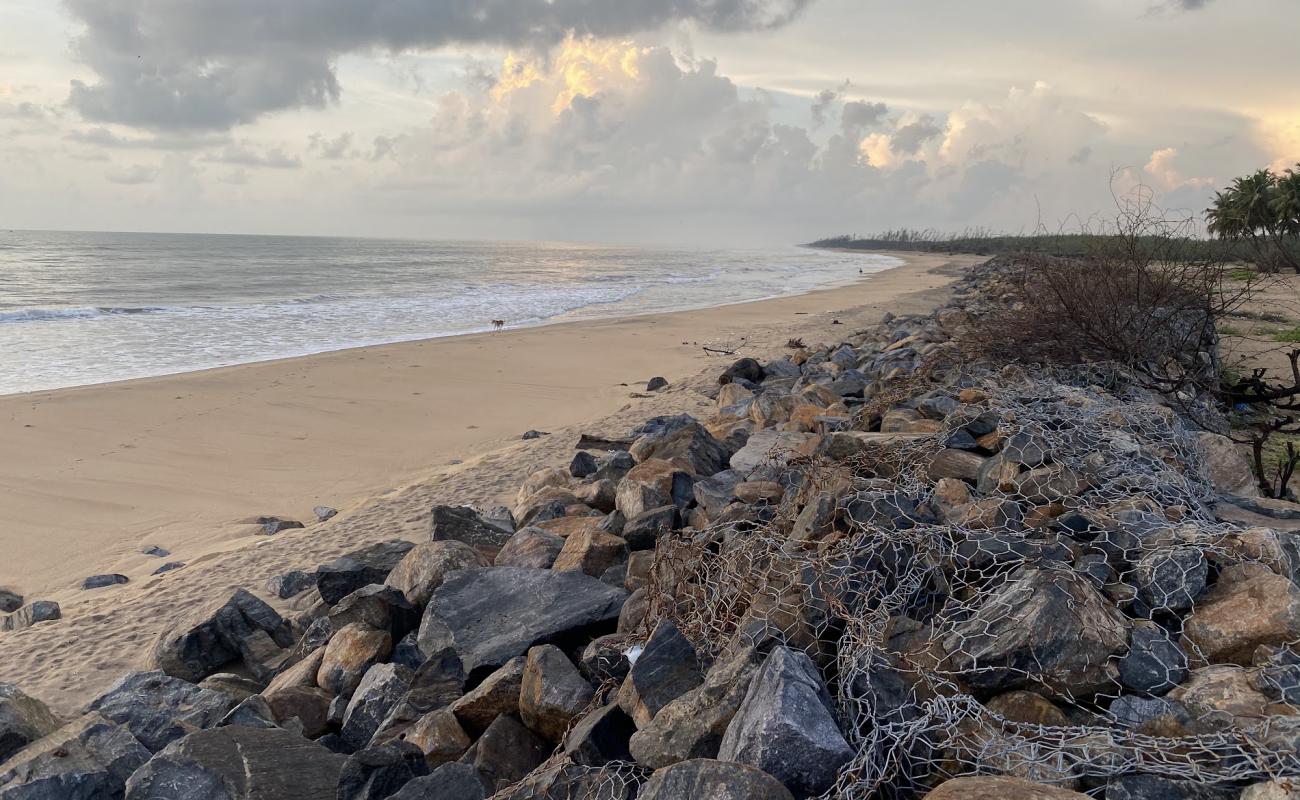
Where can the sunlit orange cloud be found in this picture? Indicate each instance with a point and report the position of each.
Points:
(1280, 136)
(581, 67)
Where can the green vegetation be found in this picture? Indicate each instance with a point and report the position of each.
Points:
(1262, 211)
(1291, 336)
(1074, 245)
(1229, 330)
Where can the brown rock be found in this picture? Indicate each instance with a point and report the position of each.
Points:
(591, 551)
(1249, 606)
(732, 393)
(769, 410)
(552, 692)
(1049, 484)
(1225, 689)
(638, 569)
(949, 493)
(1000, 788)
(969, 396)
(349, 654)
(533, 548)
(988, 514)
(953, 463)
(498, 694)
(310, 705)
(759, 492)
(1027, 707)
(439, 735)
(422, 570)
(652, 484)
(1229, 470)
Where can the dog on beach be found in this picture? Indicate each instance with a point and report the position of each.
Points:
(498, 324)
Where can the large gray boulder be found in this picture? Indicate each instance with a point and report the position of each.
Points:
(689, 445)
(1042, 628)
(490, 615)
(552, 692)
(692, 725)
(34, 612)
(424, 568)
(377, 773)
(371, 564)
(159, 709)
(235, 763)
(448, 782)
(381, 689)
(89, 759)
(217, 635)
(785, 726)
(23, 720)
(10, 601)
(667, 668)
(464, 524)
(716, 780)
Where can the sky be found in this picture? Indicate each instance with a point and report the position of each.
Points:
(668, 121)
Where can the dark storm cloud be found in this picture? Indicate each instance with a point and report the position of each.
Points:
(213, 64)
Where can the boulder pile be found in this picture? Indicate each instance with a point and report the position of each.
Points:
(878, 571)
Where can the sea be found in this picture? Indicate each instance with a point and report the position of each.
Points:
(80, 308)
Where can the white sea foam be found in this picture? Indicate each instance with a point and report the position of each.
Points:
(79, 309)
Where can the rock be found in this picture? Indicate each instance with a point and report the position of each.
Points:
(600, 737)
(998, 474)
(716, 492)
(490, 615)
(639, 565)
(1050, 484)
(273, 525)
(692, 726)
(324, 513)
(307, 707)
(290, 584)
(1249, 606)
(101, 581)
(1154, 663)
(746, 368)
(381, 688)
(847, 445)
(377, 773)
(498, 694)
(732, 395)
(533, 434)
(344, 575)
(954, 463)
(237, 763)
(785, 727)
(464, 524)
(447, 782)
(155, 551)
(1218, 691)
(760, 492)
(583, 464)
(170, 566)
(634, 610)
(1151, 787)
(159, 709)
(643, 531)
(606, 658)
(615, 465)
(532, 548)
(10, 601)
(1027, 448)
(654, 484)
(551, 693)
(1043, 627)
(90, 758)
(217, 635)
(1027, 707)
(1226, 466)
(772, 448)
(592, 551)
(252, 712)
(1000, 787)
(23, 720)
(439, 736)
(507, 752)
(378, 606)
(1171, 579)
(656, 384)
(437, 683)
(349, 654)
(1273, 790)
(425, 567)
(691, 447)
(715, 780)
(667, 668)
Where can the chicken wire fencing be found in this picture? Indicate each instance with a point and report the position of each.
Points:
(935, 595)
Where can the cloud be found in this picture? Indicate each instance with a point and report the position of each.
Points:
(244, 156)
(332, 149)
(214, 64)
(823, 102)
(133, 175)
(103, 137)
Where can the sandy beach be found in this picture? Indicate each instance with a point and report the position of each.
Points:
(186, 462)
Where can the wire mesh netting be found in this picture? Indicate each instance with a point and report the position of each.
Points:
(1031, 588)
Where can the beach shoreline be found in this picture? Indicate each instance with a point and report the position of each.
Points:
(187, 462)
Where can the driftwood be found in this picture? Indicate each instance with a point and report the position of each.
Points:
(589, 442)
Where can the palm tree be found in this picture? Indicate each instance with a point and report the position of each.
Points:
(1260, 208)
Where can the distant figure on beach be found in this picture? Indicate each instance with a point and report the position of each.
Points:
(498, 324)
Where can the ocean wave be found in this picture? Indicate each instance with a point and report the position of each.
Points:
(50, 314)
